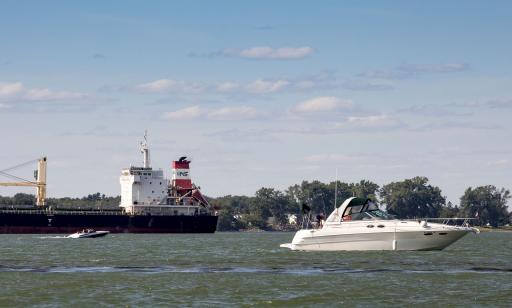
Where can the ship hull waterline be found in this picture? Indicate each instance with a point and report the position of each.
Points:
(18, 223)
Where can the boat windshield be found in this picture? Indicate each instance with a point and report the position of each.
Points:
(378, 214)
(368, 211)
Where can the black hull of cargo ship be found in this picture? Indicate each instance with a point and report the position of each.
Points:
(26, 221)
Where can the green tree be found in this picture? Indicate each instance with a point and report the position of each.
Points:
(272, 203)
(487, 203)
(320, 197)
(412, 198)
(23, 199)
(449, 210)
(365, 189)
(232, 210)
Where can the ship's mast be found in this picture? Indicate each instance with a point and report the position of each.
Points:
(144, 149)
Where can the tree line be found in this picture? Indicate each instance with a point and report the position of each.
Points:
(92, 201)
(410, 198)
(271, 209)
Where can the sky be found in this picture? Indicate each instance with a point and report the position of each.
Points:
(258, 93)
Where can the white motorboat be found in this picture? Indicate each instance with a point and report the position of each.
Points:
(88, 233)
(359, 224)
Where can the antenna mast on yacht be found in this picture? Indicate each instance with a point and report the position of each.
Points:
(336, 190)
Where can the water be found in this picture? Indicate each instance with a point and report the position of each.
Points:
(245, 269)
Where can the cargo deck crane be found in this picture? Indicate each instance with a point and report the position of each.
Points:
(39, 175)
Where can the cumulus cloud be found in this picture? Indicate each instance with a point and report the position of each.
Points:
(49, 95)
(258, 86)
(10, 89)
(372, 122)
(169, 85)
(185, 113)
(159, 85)
(195, 112)
(18, 92)
(262, 86)
(227, 86)
(322, 104)
(265, 52)
(234, 112)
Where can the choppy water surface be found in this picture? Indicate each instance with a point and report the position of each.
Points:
(234, 269)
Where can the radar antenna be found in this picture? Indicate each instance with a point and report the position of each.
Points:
(144, 149)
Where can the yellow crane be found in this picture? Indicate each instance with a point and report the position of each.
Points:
(39, 175)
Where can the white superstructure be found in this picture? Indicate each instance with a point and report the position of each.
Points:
(147, 191)
(358, 224)
(142, 189)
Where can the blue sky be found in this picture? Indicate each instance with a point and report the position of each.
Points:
(259, 93)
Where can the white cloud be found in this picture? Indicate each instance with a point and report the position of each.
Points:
(264, 52)
(234, 112)
(322, 104)
(12, 92)
(49, 95)
(227, 86)
(195, 112)
(374, 121)
(185, 113)
(167, 85)
(159, 85)
(262, 86)
(10, 89)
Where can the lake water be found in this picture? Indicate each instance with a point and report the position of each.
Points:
(244, 269)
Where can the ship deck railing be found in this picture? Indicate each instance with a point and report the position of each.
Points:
(13, 210)
(59, 211)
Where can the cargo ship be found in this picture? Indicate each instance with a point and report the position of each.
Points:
(150, 203)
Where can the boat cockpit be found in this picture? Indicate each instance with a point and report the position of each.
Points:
(358, 209)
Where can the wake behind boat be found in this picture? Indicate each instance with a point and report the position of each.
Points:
(88, 233)
(359, 224)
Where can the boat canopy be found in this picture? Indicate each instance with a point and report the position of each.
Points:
(351, 206)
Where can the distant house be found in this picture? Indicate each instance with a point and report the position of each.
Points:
(271, 221)
(292, 219)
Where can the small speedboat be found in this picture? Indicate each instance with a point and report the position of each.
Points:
(88, 233)
(359, 224)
